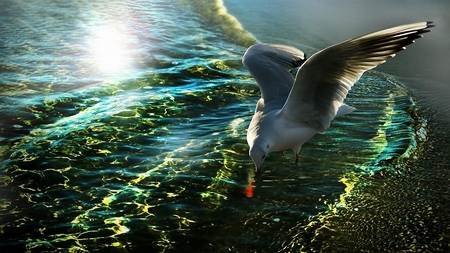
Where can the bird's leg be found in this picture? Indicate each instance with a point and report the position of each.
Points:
(282, 153)
(296, 157)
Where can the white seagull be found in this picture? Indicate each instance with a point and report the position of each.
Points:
(292, 110)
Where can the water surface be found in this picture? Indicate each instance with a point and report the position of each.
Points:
(123, 129)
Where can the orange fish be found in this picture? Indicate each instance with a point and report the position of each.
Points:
(250, 189)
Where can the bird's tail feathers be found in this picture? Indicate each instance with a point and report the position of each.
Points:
(344, 109)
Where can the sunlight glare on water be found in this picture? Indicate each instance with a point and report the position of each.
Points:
(109, 49)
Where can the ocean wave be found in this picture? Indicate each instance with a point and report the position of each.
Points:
(215, 14)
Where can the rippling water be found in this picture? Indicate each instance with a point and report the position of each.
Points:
(123, 129)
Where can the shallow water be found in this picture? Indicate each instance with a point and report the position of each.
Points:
(123, 129)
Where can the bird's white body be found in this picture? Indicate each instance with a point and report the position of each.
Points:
(292, 110)
(283, 134)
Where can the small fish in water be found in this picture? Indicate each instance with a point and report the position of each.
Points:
(250, 189)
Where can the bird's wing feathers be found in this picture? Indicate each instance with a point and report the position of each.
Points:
(270, 64)
(323, 81)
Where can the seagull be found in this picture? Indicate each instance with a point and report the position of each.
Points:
(292, 110)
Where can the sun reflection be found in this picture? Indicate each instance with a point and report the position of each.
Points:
(110, 50)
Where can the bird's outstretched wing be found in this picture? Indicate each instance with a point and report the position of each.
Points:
(270, 64)
(323, 81)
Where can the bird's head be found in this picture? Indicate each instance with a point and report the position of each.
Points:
(258, 152)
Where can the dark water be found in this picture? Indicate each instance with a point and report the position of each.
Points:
(400, 210)
(123, 130)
